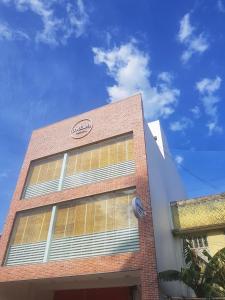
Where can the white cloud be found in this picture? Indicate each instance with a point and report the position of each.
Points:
(193, 43)
(196, 111)
(55, 29)
(78, 18)
(179, 159)
(129, 67)
(214, 127)
(165, 76)
(186, 28)
(7, 33)
(207, 88)
(221, 6)
(181, 125)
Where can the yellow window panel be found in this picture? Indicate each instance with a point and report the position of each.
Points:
(60, 222)
(130, 149)
(100, 155)
(50, 170)
(79, 162)
(121, 151)
(133, 219)
(33, 228)
(90, 217)
(18, 232)
(100, 216)
(104, 156)
(45, 226)
(54, 169)
(112, 154)
(58, 168)
(110, 214)
(71, 164)
(43, 172)
(86, 161)
(95, 157)
(46, 170)
(70, 221)
(34, 174)
(80, 219)
(121, 217)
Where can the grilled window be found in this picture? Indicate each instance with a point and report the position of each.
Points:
(197, 242)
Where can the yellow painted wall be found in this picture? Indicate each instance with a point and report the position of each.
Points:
(192, 214)
(216, 241)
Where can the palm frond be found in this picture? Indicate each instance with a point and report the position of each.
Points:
(204, 274)
(215, 269)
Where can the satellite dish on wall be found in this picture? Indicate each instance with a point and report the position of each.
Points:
(138, 208)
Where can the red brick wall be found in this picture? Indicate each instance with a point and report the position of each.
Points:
(111, 120)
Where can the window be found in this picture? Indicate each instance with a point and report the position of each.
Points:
(198, 242)
(104, 160)
(97, 225)
(31, 227)
(100, 155)
(108, 212)
(45, 170)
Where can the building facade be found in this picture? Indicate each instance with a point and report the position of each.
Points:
(71, 232)
(202, 221)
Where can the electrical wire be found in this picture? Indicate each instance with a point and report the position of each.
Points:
(198, 178)
(197, 150)
(209, 184)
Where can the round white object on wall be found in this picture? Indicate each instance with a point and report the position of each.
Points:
(138, 208)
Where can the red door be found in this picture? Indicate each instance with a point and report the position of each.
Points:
(120, 293)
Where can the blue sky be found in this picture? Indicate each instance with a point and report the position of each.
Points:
(60, 58)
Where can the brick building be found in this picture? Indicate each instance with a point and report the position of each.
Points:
(71, 232)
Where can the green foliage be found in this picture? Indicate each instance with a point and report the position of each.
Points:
(205, 274)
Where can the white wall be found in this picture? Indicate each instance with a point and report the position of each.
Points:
(165, 186)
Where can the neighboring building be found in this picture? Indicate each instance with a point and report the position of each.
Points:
(71, 232)
(202, 221)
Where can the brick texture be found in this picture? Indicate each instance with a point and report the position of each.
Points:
(108, 121)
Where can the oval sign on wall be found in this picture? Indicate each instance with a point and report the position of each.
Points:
(81, 129)
(138, 208)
